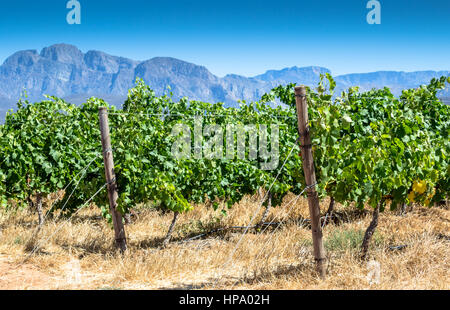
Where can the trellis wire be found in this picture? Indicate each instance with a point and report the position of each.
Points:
(66, 221)
(290, 206)
(255, 213)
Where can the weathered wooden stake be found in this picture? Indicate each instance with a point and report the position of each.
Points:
(113, 194)
(310, 178)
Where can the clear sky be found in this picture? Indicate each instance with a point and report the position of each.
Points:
(244, 37)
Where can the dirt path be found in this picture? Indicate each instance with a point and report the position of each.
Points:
(14, 276)
(28, 277)
(23, 277)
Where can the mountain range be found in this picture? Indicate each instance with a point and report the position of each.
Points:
(63, 70)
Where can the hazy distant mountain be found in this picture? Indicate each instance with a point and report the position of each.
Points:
(64, 71)
(308, 75)
(396, 81)
(5, 105)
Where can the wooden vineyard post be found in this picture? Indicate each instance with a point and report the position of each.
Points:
(310, 178)
(113, 194)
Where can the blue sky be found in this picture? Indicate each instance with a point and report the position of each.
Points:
(244, 37)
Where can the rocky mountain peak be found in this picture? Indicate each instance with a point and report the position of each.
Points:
(22, 58)
(64, 53)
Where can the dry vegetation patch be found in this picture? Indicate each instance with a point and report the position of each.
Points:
(407, 252)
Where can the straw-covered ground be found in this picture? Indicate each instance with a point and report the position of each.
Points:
(409, 251)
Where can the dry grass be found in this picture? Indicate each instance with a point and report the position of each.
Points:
(81, 253)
